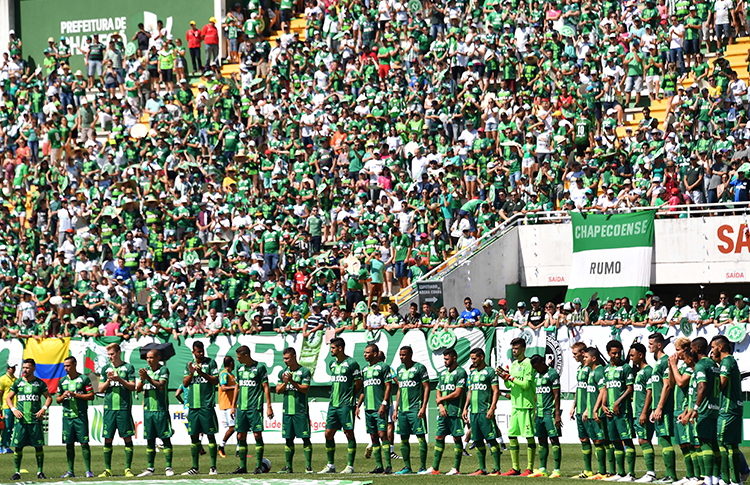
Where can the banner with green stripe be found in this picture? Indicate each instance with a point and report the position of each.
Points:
(612, 255)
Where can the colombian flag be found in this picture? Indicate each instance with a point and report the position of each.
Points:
(49, 354)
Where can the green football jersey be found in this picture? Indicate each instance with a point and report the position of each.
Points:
(153, 398)
(116, 397)
(706, 371)
(29, 398)
(731, 395)
(295, 402)
(680, 394)
(582, 378)
(480, 385)
(545, 398)
(450, 381)
(616, 380)
(75, 408)
(640, 386)
(250, 380)
(201, 392)
(375, 378)
(410, 385)
(523, 388)
(343, 376)
(593, 386)
(656, 384)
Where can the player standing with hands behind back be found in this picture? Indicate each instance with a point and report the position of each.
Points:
(117, 382)
(479, 410)
(411, 407)
(201, 379)
(548, 420)
(247, 404)
(522, 383)
(376, 396)
(346, 381)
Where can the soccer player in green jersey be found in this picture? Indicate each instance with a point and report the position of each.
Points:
(247, 404)
(74, 393)
(294, 384)
(201, 379)
(450, 401)
(548, 417)
(479, 411)
(520, 379)
(679, 375)
(153, 382)
(730, 408)
(616, 406)
(579, 406)
(644, 428)
(27, 430)
(411, 407)
(689, 358)
(346, 379)
(117, 382)
(377, 380)
(592, 415)
(705, 412)
(662, 402)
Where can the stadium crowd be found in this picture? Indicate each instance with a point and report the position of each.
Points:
(340, 167)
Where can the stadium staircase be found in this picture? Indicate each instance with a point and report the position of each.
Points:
(736, 54)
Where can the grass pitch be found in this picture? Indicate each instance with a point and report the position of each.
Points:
(55, 464)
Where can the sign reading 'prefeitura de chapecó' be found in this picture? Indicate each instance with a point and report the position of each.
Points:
(76, 20)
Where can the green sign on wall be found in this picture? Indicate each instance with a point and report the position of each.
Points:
(78, 19)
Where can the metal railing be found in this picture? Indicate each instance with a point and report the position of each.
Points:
(556, 217)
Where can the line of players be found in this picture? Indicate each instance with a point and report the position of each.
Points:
(691, 400)
(688, 388)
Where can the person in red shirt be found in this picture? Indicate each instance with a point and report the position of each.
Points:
(211, 38)
(195, 39)
(300, 281)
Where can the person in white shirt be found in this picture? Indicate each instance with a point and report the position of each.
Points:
(418, 164)
(521, 316)
(307, 124)
(466, 240)
(722, 14)
(657, 314)
(607, 201)
(676, 42)
(737, 88)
